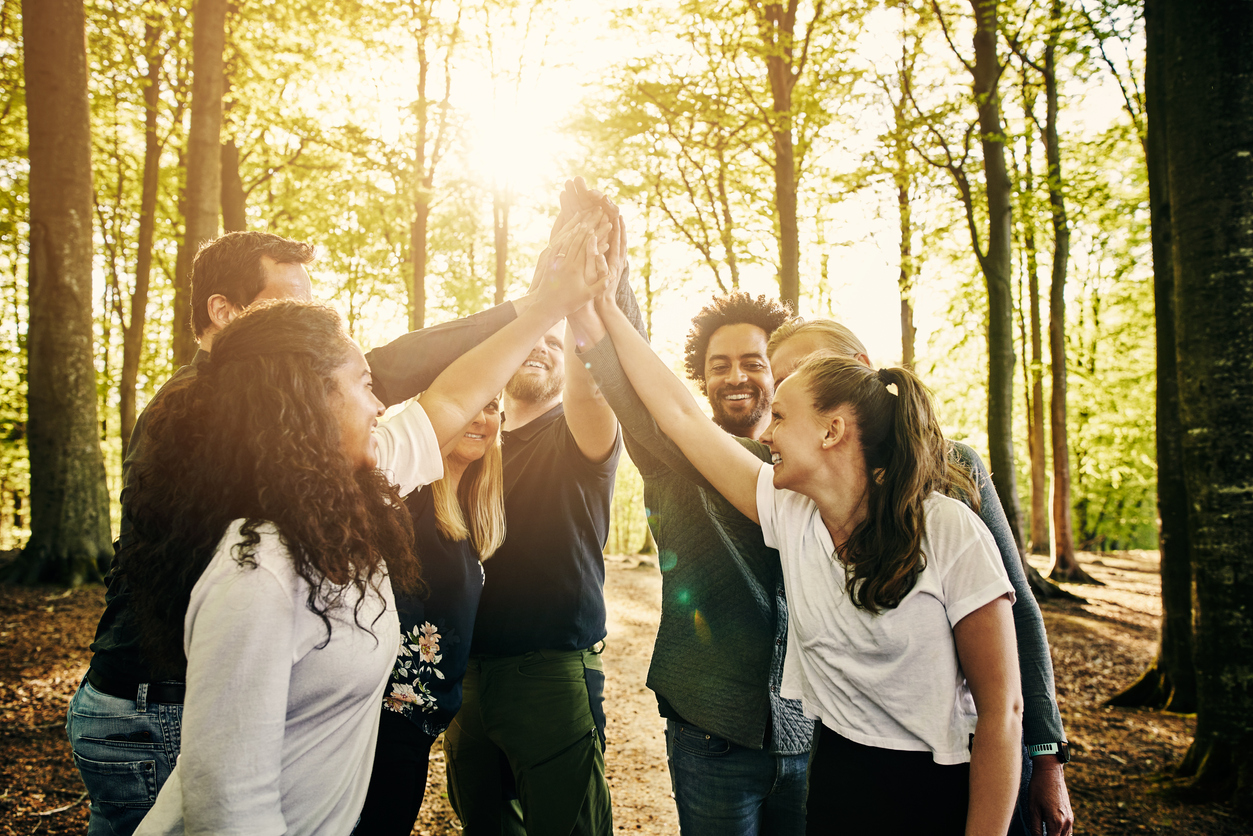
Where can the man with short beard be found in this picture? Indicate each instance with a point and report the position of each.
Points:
(532, 716)
(738, 751)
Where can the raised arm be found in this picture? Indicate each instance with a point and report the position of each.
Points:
(730, 468)
(480, 374)
(985, 648)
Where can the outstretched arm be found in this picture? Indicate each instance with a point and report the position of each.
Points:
(480, 374)
(986, 650)
(730, 468)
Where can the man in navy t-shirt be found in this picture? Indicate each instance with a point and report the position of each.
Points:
(532, 711)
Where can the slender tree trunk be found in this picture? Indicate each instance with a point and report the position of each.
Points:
(1170, 680)
(417, 258)
(777, 24)
(1035, 368)
(903, 179)
(997, 266)
(1208, 70)
(70, 538)
(133, 331)
(204, 158)
(1066, 566)
(234, 198)
(501, 198)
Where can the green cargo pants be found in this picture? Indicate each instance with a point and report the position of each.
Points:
(541, 714)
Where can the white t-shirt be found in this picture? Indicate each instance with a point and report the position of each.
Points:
(278, 732)
(890, 680)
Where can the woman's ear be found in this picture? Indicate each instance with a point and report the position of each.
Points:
(834, 434)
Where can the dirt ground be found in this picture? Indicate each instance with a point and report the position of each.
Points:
(1098, 647)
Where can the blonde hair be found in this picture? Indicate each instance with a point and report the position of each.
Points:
(838, 338)
(482, 492)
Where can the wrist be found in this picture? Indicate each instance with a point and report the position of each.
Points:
(1049, 754)
(522, 303)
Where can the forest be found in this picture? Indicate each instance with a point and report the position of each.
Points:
(1044, 207)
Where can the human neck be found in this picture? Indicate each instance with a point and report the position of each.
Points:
(454, 469)
(754, 432)
(841, 498)
(520, 413)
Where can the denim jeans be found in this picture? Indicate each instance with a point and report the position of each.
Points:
(125, 750)
(724, 789)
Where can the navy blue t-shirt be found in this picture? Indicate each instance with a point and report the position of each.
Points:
(545, 587)
(425, 685)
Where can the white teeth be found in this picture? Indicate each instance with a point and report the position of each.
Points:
(775, 458)
(738, 397)
(475, 437)
(533, 364)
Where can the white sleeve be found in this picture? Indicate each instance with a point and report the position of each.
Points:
(408, 451)
(767, 504)
(241, 643)
(972, 572)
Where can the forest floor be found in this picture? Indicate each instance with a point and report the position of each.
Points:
(1098, 648)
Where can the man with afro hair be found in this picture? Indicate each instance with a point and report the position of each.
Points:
(737, 750)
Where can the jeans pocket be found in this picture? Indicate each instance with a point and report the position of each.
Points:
(699, 742)
(120, 783)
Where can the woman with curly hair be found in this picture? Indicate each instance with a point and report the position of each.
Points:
(900, 638)
(457, 523)
(269, 534)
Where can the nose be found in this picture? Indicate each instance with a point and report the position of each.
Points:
(738, 375)
(379, 408)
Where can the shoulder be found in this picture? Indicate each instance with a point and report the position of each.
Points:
(246, 547)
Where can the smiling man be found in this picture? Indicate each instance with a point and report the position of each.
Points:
(737, 750)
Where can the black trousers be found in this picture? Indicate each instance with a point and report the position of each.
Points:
(856, 789)
(398, 781)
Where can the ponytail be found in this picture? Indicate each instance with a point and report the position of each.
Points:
(905, 462)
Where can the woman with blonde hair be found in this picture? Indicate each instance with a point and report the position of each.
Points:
(457, 523)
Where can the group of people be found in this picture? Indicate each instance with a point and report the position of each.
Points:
(305, 598)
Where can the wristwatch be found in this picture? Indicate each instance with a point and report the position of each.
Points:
(1062, 750)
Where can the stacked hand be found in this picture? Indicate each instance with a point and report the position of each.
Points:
(572, 271)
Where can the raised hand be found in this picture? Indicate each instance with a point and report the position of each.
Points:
(574, 271)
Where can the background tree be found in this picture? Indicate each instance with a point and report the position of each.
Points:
(204, 159)
(70, 538)
(1208, 105)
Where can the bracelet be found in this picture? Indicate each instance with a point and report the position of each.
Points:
(1060, 749)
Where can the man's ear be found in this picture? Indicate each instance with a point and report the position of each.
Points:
(835, 432)
(221, 311)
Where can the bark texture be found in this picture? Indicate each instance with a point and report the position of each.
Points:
(70, 538)
(1170, 681)
(204, 159)
(997, 266)
(1208, 70)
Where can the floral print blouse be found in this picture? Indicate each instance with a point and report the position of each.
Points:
(435, 631)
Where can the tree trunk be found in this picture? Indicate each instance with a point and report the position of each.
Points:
(417, 259)
(997, 267)
(1035, 377)
(1065, 565)
(70, 538)
(501, 199)
(133, 331)
(234, 198)
(777, 27)
(1170, 681)
(1208, 72)
(204, 158)
(903, 177)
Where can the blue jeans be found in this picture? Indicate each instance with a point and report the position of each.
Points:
(125, 750)
(724, 789)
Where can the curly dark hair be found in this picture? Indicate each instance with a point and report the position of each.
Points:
(230, 265)
(731, 309)
(252, 436)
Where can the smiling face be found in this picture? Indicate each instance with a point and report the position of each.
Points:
(356, 409)
(737, 378)
(794, 435)
(540, 377)
(478, 435)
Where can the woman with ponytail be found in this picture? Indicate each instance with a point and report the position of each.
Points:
(900, 636)
(1043, 799)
